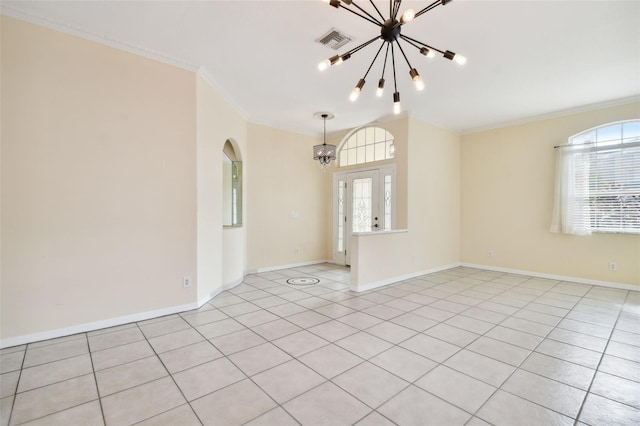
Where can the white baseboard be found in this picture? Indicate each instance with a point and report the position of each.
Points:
(97, 325)
(578, 280)
(112, 322)
(291, 265)
(219, 290)
(398, 278)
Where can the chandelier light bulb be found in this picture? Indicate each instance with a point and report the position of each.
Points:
(459, 59)
(380, 90)
(407, 16)
(417, 80)
(396, 103)
(335, 59)
(324, 64)
(429, 53)
(356, 90)
(419, 83)
(354, 94)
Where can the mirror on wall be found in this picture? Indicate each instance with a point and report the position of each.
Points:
(231, 186)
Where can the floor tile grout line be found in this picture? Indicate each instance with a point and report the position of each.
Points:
(325, 380)
(55, 412)
(65, 339)
(50, 384)
(95, 381)
(518, 367)
(15, 395)
(597, 369)
(247, 377)
(118, 345)
(461, 312)
(593, 309)
(172, 379)
(52, 361)
(549, 290)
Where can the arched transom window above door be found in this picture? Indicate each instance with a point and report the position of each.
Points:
(366, 145)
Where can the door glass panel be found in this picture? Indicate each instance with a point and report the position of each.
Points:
(340, 218)
(387, 202)
(362, 202)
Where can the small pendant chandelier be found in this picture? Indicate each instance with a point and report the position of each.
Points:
(324, 153)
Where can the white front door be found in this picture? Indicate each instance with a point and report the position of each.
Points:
(362, 203)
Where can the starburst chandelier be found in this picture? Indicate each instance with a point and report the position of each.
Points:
(390, 33)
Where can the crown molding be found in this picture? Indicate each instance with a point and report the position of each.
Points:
(127, 47)
(555, 114)
(97, 38)
(205, 75)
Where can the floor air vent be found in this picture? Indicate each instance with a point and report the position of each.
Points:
(303, 281)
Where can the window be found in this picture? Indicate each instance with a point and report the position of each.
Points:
(231, 186)
(365, 146)
(598, 181)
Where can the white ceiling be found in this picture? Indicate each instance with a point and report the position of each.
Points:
(525, 58)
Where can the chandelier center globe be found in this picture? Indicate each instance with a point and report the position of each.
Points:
(390, 31)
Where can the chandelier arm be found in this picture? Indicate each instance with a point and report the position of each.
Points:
(396, 9)
(362, 16)
(393, 62)
(403, 54)
(376, 8)
(431, 6)
(384, 65)
(410, 42)
(407, 38)
(367, 13)
(362, 46)
(374, 60)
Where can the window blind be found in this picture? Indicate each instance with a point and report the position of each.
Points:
(606, 170)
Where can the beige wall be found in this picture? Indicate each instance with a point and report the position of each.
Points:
(434, 195)
(98, 182)
(428, 190)
(507, 198)
(217, 121)
(284, 179)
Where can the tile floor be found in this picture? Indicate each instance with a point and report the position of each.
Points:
(460, 347)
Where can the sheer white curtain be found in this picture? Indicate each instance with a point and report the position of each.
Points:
(570, 207)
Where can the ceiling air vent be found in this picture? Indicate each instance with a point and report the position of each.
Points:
(334, 39)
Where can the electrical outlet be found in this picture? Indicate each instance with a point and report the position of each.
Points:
(613, 266)
(186, 282)
(490, 253)
(297, 251)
